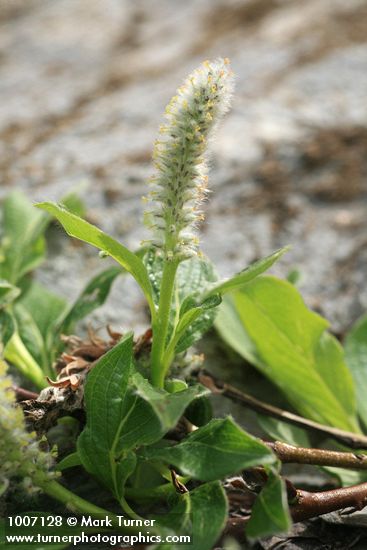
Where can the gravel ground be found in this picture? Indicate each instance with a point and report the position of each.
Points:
(83, 84)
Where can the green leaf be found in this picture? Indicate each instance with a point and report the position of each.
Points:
(69, 461)
(270, 513)
(45, 308)
(197, 321)
(153, 262)
(123, 412)
(281, 431)
(356, 357)
(345, 477)
(153, 412)
(201, 514)
(93, 296)
(192, 278)
(80, 229)
(286, 341)
(105, 393)
(294, 276)
(200, 411)
(218, 449)
(229, 325)
(16, 353)
(248, 274)
(52, 315)
(330, 363)
(74, 204)
(23, 244)
(173, 385)
(8, 293)
(209, 509)
(7, 328)
(194, 322)
(31, 335)
(37, 313)
(196, 314)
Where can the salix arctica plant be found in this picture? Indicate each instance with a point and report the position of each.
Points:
(180, 183)
(128, 442)
(179, 187)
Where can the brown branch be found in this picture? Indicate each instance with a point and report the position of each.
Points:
(320, 457)
(350, 439)
(310, 505)
(21, 394)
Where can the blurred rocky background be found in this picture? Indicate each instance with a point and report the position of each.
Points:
(83, 84)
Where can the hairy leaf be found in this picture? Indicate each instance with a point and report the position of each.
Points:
(218, 449)
(202, 322)
(270, 513)
(248, 274)
(194, 321)
(124, 411)
(201, 514)
(193, 277)
(153, 412)
(105, 393)
(200, 411)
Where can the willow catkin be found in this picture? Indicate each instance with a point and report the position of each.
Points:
(180, 182)
(20, 455)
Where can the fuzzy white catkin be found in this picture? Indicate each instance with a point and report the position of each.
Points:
(20, 455)
(180, 182)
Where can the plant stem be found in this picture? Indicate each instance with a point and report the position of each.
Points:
(320, 457)
(73, 501)
(17, 354)
(216, 386)
(82, 506)
(128, 510)
(161, 326)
